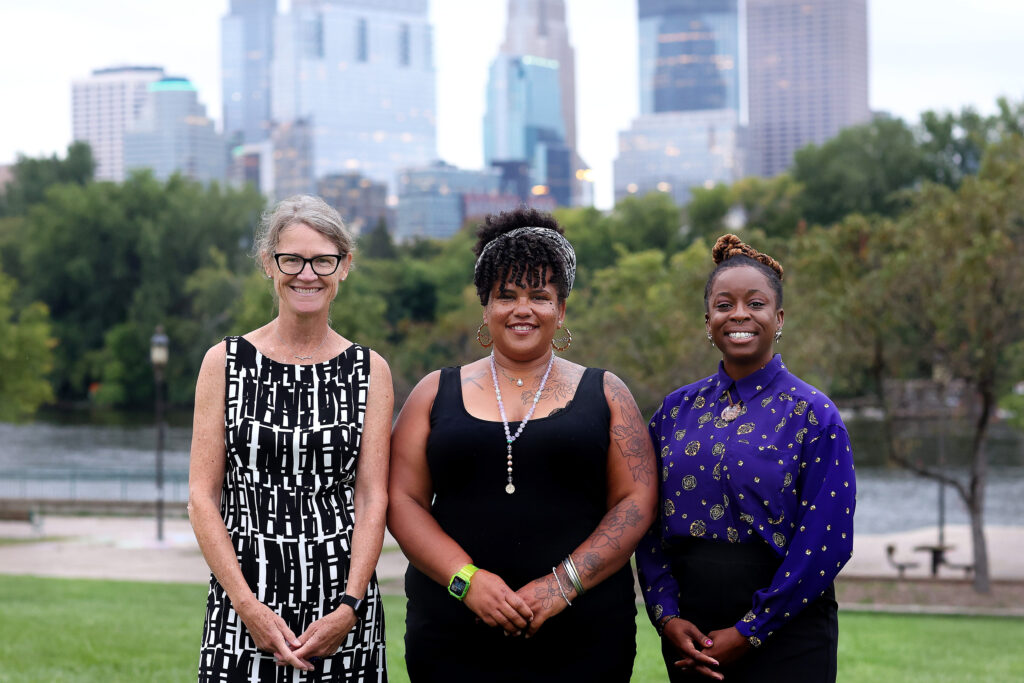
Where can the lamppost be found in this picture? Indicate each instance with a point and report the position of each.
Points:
(158, 354)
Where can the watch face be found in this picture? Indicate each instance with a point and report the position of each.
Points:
(458, 586)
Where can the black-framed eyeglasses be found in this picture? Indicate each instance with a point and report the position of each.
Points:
(292, 264)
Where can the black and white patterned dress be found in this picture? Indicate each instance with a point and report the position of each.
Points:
(293, 434)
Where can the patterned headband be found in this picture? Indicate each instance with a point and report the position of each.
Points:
(561, 246)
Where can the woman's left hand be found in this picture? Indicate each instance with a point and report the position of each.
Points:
(544, 598)
(728, 645)
(325, 635)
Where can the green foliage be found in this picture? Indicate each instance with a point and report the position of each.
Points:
(32, 177)
(377, 243)
(26, 356)
(861, 170)
(707, 211)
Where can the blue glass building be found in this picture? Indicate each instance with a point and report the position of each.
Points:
(688, 133)
(689, 55)
(247, 50)
(361, 73)
(524, 122)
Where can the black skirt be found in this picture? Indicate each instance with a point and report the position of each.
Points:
(717, 582)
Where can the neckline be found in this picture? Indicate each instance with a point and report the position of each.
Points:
(351, 345)
(562, 411)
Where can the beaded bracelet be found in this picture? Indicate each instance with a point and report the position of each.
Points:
(560, 589)
(660, 626)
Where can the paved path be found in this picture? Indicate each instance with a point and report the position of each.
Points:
(126, 548)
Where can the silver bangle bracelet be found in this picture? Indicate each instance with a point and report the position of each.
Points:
(560, 589)
(574, 576)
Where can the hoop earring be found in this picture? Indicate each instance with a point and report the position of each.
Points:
(562, 339)
(778, 335)
(483, 335)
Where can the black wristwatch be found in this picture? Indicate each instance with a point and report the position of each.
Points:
(358, 606)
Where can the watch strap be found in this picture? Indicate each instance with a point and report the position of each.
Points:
(358, 606)
(458, 585)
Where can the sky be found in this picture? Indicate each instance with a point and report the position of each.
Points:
(923, 54)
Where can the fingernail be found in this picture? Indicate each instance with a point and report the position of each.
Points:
(708, 642)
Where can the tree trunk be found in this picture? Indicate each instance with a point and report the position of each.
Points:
(976, 498)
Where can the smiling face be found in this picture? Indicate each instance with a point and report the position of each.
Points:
(305, 293)
(742, 319)
(523, 320)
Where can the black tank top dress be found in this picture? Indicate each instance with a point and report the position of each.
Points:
(560, 471)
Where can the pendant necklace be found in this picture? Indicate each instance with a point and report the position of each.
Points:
(297, 356)
(731, 411)
(518, 381)
(509, 438)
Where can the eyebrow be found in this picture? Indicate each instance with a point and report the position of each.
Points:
(749, 292)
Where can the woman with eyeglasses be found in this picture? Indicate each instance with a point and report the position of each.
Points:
(288, 473)
(520, 484)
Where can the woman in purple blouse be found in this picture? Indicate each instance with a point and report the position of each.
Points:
(757, 499)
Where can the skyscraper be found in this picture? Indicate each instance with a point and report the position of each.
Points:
(688, 130)
(103, 106)
(531, 100)
(807, 75)
(174, 135)
(247, 48)
(537, 28)
(361, 73)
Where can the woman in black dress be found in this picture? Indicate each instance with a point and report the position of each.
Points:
(288, 476)
(520, 484)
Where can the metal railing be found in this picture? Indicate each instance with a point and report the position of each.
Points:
(82, 484)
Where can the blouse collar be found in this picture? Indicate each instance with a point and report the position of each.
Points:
(751, 385)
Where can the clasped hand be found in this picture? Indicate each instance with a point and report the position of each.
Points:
(271, 634)
(705, 653)
(520, 612)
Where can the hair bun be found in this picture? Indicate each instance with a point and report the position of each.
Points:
(730, 245)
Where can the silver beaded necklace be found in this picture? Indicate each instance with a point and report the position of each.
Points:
(509, 438)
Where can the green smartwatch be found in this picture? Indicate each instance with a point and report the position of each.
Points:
(459, 585)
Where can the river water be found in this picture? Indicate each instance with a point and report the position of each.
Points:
(50, 459)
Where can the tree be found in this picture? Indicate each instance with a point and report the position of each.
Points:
(26, 356)
(377, 243)
(33, 176)
(861, 170)
(707, 210)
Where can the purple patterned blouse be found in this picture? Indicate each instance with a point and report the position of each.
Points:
(780, 473)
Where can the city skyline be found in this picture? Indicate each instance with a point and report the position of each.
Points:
(923, 55)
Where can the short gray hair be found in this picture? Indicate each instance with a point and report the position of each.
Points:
(306, 209)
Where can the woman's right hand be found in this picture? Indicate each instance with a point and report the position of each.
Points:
(496, 604)
(689, 639)
(270, 633)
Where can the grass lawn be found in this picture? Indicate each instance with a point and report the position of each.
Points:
(78, 630)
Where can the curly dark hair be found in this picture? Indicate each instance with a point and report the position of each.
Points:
(732, 252)
(523, 260)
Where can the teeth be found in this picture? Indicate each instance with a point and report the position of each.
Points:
(740, 335)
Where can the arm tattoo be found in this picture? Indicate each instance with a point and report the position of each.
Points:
(626, 513)
(546, 591)
(631, 433)
(590, 564)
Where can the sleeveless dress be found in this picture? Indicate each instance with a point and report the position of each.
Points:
(560, 464)
(292, 434)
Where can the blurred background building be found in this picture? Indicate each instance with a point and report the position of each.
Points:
(688, 132)
(247, 52)
(361, 74)
(807, 75)
(103, 106)
(173, 134)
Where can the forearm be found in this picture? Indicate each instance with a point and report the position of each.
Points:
(609, 547)
(217, 548)
(424, 542)
(367, 541)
